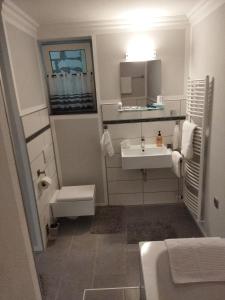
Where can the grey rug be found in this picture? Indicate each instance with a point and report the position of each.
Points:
(108, 219)
(149, 231)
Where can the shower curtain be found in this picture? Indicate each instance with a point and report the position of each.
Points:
(71, 92)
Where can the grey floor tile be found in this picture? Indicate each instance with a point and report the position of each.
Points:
(111, 294)
(49, 284)
(83, 225)
(71, 289)
(111, 255)
(84, 244)
(67, 226)
(133, 269)
(111, 264)
(109, 281)
(107, 242)
(132, 294)
(79, 260)
(58, 248)
(132, 247)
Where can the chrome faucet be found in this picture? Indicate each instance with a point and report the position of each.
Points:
(142, 144)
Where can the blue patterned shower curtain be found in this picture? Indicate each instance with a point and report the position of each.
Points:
(71, 93)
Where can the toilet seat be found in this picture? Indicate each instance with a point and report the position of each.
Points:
(74, 201)
(75, 193)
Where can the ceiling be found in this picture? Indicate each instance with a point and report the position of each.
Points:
(66, 11)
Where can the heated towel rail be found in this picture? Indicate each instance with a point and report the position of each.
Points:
(199, 99)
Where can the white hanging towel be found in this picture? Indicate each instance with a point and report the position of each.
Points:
(187, 139)
(177, 164)
(126, 85)
(176, 137)
(106, 144)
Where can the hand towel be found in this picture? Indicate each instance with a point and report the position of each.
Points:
(106, 144)
(126, 85)
(187, 139)
(197, 259)
(177, 163)
(176, 137)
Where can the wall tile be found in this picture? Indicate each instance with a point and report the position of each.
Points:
(125, 131)
(152, 114)
(160, 173)
(126, 199)
(125, 187)
(35, 147)
(44, 117)
(160, 198)
(173, 97)
(31, 123)
(150, 129)
(129, 102)
(47, 135)
(152, 140)
(117, 146)
(171, 108)
(141, 102)
(48, 152)
(51, 169)
(115, 174)
(37, 164)
(161, 185)
(35, 121)
(114, 161)
(183, 107)
(110, 112)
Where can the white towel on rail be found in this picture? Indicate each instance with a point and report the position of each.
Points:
(177, 163)
(106, 144)
(126, 85)
(197, 259)
(187, 139)
(176, 137)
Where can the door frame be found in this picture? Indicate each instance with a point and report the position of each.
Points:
(19, 146)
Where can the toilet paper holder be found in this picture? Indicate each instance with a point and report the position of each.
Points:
(39, 172)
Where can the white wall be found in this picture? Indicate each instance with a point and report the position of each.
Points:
(208, 57)
(25, 58)
(170, 47)
(78, 151)
(32, 103)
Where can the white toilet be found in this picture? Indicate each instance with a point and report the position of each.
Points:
(74, 201)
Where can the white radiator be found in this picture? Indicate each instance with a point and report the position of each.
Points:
(199, 98)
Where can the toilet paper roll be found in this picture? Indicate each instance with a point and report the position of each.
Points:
(44, 182)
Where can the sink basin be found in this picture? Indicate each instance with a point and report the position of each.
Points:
(152, 157)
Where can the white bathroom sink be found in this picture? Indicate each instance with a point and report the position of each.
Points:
(133, 157)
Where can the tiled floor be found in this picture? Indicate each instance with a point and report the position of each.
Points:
(112, 294)
(79, 260)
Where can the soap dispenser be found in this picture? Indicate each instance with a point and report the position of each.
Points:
(159, 141)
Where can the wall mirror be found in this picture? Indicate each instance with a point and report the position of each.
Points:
(140, 82)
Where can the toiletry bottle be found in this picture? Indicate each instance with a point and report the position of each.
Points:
(159, 139)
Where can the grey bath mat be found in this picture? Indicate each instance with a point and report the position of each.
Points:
(149, 231)
(108, 220)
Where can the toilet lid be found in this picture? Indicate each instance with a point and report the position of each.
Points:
(75, 193)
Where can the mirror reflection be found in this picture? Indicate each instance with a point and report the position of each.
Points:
(140, 82)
